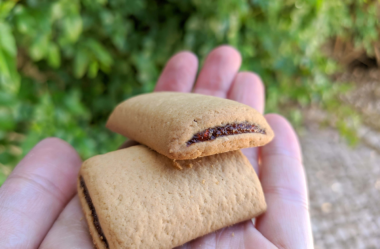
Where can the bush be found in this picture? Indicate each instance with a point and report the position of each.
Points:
(65, 64)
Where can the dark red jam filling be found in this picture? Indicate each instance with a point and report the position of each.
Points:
(93, 212)
(226, 130)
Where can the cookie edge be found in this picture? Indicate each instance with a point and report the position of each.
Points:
(89, 219)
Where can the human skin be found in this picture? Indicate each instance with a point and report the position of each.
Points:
(39, 207)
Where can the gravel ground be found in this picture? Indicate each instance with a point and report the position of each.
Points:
(344, 182)
(344, 188)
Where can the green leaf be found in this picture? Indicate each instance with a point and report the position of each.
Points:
(73, 27)
(101, 54)
(5, 8)
(93, 69)
(39, 48)
(74, 105)
(101, 2)
(4, 65)
(7, 99)
(9, 78)
(7, 42)
(57, 11)
(24, 22)
(54, 57)
(80, 63)
(6, 120)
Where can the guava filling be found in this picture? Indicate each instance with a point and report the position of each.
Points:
(95, 218)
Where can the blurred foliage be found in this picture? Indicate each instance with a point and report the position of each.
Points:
(65, 64)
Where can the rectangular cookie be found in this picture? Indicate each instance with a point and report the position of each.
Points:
(187, 125)
(136, 198)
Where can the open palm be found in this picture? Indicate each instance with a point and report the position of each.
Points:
(39, 206)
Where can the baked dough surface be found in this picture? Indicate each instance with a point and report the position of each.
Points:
(166, 121)
(143, 201)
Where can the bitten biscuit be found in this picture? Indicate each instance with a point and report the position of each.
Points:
(187, 125)
(136, 198)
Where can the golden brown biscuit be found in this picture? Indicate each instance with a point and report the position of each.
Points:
(187, 125)
(141, 201)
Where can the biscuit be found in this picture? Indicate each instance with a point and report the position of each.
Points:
(187, 125)
(136, 198)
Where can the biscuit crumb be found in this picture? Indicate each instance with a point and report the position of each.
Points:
(203, 181)
(190, 165)
(217, 182)
(233, 234)
(212, 165)
(177, 165)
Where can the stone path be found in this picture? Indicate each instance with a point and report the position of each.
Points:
(344, 187)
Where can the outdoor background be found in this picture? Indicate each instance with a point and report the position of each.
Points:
(65, 64)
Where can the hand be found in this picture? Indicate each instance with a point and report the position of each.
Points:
(38, 205)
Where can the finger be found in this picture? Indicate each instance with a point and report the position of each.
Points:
(179, 73)
(247, 88)
(218, 72)
(286, 223)
(70, 230)
(242, 235)
(35, 193)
